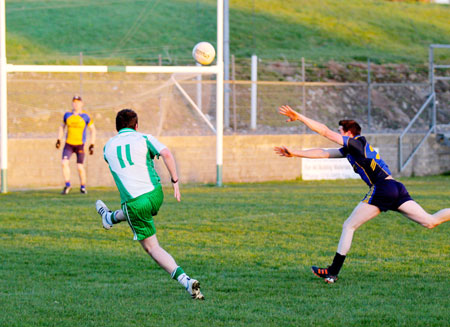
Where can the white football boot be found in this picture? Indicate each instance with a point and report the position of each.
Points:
(193, 288)
(103, 210)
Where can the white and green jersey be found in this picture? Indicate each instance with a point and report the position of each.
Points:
(130, 157)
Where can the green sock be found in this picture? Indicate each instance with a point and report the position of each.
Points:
(177, 272)
(113, 217)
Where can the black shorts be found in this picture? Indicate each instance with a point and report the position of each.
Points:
(387, 194)
(78, 149)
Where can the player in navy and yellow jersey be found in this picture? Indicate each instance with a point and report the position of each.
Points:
(385, 193)
(77, 122)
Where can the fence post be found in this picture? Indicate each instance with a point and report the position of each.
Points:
(400, 153)
(161, 112)
(433, 108)
(81, 75)
(431, 77)
(369, 98)
(254, 95)
(233, 77)
(199, 90)
(431, 68)
(303, 94)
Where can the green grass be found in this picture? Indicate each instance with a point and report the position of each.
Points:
(124, 31)
(250, 245)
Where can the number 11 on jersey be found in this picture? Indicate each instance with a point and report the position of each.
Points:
(127, 154)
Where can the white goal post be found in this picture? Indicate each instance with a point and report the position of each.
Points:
(215, 69)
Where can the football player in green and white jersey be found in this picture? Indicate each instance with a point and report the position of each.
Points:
(130, 156)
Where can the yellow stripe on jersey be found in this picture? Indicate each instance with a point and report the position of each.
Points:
(369, 195)
(365, 173)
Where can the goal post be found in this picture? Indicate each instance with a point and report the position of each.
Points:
(219, 94)
(3, 101)
(216, 70)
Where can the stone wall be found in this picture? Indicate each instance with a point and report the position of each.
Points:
(35, 163)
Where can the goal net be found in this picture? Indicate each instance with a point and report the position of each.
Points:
(167, 104)
(179, 109)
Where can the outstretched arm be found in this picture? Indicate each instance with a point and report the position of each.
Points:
(312, 124)
(311, 153)
(169, 161)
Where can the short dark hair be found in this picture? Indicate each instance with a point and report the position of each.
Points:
(350, 125)
(126, 118)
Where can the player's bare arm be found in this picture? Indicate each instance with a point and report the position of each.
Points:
(312, 124)
(60, 134)
(93, 138)
(169, 161)
(310, 153)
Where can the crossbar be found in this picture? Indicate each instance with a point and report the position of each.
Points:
(105, 69)
(440, 46)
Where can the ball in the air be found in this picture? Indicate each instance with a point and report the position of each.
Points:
(204, 53)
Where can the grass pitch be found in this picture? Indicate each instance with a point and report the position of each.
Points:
(250, 245)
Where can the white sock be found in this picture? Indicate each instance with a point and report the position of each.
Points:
(183, 279)
(108, 218)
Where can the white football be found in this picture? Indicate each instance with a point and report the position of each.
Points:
(204, 53)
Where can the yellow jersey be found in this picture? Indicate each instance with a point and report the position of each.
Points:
(76, 127)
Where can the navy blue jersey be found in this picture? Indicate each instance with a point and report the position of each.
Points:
(364, 159)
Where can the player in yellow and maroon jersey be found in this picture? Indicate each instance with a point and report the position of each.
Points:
(77, 122)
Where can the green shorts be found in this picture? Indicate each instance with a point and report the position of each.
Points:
(140, 211)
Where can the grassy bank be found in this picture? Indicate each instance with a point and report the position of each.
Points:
(137, 32)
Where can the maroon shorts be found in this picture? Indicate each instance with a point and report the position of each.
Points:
(78, 149)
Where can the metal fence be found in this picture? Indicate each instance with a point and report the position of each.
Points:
(382, 98)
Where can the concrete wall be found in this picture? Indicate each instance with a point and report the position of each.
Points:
(34, 163)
